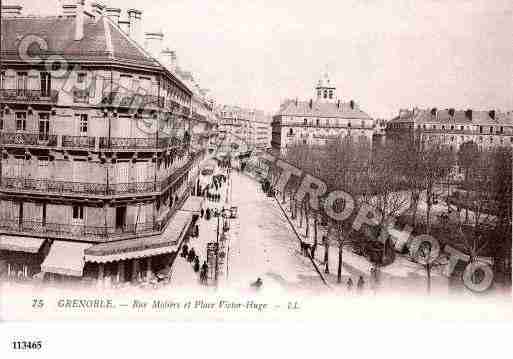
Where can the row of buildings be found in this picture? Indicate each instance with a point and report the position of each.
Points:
(102, 135)
(243, 129)
(315, 122)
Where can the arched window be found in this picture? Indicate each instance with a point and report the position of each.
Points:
(325, 93)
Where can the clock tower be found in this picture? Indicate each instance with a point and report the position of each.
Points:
(325, 90)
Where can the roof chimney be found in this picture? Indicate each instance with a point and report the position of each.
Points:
(433, 111)
(491, 113)
(124, 26)
(451, 112)
(153, 43)
(134, 18)
(310, 104)
(338, 103)
(11, 10)
(351, 104)
(98, 8)
(113, 14)
(79, 21)
(169, 59)
(468, 114)
(69, 10)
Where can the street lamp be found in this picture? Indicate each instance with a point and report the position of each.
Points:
(224, 215)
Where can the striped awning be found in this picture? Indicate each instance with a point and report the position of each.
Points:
(21, 244)
(66, 258)
(166, 242)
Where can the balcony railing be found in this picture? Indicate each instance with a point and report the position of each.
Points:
(138, 143)
(91, 188)
(78, 230)
(16, 95)
(78, 141)
(81, 96)
(27, 138)
(119, 99)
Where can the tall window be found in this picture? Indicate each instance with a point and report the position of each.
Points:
(21, 83)
(331, 94)
(317, 122)
(78, 212)
(2, 80)
(325, 94)
(21, 121)
(44, 126)
(1, 120)
(46, 84)
(83, 125)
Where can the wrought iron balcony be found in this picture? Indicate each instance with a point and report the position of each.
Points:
(138, 143)
(134, 100)
(45, 185)
(79, 231)
(27, 138)
(78, 141)
(29, 96)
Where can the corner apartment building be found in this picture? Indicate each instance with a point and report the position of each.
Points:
(96, 155)
(315, 122)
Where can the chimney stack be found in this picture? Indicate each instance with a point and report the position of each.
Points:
(351, 104)
(79, 21)
(69, 10)
(153, 43)
(451, 112)
(338, 104)
(134, 18)
(169, 59)
(125, 26)
(98, 8)
(468, 114)
(433, 111)
(492, 114)
(310, 104)
(113, 14)
(11, 10)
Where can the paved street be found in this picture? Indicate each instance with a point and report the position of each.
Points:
(260, 243)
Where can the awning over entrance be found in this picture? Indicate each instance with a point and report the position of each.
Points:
(193, 204)
(66, 258)
(166, 242)
(21, 244)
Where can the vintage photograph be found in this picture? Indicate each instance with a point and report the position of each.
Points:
(182, 149)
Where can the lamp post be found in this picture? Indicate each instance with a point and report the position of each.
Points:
(222, 214)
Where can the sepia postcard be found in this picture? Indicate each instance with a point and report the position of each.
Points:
(253, 161)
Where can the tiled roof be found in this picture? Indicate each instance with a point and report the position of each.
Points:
(458, 117)
(321, 109)
(58, 32)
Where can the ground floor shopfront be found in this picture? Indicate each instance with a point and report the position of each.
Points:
(135, 260)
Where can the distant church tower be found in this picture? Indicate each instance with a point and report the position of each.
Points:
(325, 90)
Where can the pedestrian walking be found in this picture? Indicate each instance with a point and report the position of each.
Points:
(349, 284)
(191, 255)
(196, 265)
(185, 250)
(360, 283)
(208, 214)
(202, 212)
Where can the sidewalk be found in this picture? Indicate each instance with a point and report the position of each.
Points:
(183, 272)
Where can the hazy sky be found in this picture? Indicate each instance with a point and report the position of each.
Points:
(383, 54)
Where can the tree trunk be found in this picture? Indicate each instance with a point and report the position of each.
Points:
(326, 256)
(428, 269)
(339, 270)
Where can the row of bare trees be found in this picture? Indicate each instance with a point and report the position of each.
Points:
(398, 175)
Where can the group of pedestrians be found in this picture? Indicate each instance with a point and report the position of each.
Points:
(359, 284)
(190, 256)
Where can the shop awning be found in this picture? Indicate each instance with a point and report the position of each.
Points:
(166, 242)
(21, 244)
(193, 204)
(66, 258)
